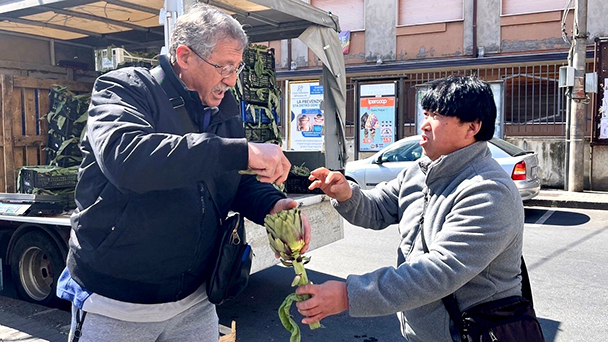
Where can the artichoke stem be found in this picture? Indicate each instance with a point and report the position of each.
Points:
(298, 267)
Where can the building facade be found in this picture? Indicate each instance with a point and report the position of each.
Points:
(517, 45)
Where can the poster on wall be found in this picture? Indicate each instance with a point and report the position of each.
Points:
(306, 119)
(376, 116)
(604, 110)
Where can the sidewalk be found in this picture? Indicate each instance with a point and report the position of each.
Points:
(25, 322)
(565, 199)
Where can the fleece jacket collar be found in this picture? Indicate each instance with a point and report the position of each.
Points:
(451, 164)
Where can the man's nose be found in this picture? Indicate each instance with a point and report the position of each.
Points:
(425, 124)
(230, 81)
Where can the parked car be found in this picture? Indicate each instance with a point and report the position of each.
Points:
(384, 166)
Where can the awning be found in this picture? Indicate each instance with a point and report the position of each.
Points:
(324, 42)
(134, 24)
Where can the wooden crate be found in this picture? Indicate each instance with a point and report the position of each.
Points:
(23, 101)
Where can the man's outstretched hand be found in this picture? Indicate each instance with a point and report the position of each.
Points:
(333, 183)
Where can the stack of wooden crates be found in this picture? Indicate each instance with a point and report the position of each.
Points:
(259, 95)
(66, 119)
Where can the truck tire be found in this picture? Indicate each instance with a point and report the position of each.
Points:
(36, 263)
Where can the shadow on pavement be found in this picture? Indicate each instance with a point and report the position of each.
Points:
(255, 313)
(550, 328)
(557, 218)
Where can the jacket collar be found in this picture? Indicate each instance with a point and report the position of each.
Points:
(453, 163)
(190, 97)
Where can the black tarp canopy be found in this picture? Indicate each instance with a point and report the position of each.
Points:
(143, 24)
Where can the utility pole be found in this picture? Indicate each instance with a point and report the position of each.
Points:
(576, 177)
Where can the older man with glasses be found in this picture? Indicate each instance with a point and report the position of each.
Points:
(161, 157)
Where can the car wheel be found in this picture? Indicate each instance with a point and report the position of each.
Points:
(36, 263)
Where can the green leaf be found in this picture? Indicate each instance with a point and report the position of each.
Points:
(296, 280)
(287, 319)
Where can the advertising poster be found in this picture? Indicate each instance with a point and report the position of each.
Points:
(306, 119)
(604, 110)
(377, 123)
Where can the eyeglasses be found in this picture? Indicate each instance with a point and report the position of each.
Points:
(227, 70)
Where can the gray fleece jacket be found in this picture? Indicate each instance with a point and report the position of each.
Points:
(473, 226)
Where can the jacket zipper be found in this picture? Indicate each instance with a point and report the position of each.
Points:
(420, 223)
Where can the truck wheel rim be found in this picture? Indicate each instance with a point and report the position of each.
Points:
(36, 273)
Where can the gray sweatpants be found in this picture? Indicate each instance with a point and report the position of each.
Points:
(197, 324)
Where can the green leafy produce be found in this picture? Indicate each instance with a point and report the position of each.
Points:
(300, 170)
(288, 321)
(286, 238)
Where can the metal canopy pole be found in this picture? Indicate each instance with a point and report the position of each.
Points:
(168, 16)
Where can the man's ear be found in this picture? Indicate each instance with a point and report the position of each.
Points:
(473, 128)
(184, 57)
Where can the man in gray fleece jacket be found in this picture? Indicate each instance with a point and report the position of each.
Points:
(473, 222)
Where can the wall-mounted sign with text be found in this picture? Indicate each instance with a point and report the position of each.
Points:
(306, 118)
(376, 116)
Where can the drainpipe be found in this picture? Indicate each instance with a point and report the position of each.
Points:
(474, 28)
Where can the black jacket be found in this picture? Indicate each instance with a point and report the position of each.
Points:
(152, 189)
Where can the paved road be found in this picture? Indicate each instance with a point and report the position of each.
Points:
(566, 254)
(564, 249)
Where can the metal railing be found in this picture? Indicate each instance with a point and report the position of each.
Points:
(534, 104)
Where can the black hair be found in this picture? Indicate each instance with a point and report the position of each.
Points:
(466, 97)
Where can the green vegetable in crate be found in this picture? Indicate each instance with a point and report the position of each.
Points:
(300, 170)
(286, 238)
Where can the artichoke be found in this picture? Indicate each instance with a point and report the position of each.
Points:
(285, 234)
(286, 238)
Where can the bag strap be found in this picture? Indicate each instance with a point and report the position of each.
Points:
(178, 103)
(77, 333)
(526, 289)
(449, 301)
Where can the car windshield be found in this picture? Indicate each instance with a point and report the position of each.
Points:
(407, 151)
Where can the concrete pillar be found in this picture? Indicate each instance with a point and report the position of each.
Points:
(380, 30)
(488, 25)
(576, 176)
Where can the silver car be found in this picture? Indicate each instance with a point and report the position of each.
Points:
(384, 166)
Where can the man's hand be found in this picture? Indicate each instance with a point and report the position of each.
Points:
(286, 204)
(334, 184)
(269, 162)
(329, 298)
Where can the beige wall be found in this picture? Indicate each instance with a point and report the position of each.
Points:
(533, 32)
(428, 41)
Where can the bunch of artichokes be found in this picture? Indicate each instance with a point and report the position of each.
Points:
(286, 237)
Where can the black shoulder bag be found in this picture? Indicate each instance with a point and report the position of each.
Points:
(510, 319)
(233, 262)
(231, 272)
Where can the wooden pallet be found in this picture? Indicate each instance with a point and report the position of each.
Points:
(228, 334)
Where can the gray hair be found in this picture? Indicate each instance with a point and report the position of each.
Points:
(202, 27)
